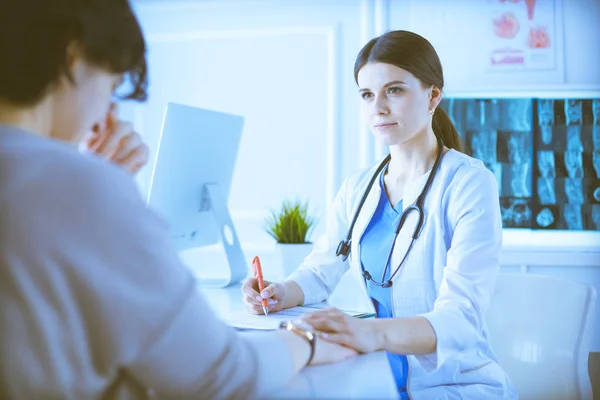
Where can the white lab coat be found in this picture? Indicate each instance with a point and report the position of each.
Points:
(448, 278)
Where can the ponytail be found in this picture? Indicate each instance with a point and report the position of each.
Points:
(445, 130)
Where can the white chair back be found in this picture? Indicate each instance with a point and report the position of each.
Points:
(540, 328)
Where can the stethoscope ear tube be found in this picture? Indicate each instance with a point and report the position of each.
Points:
(344, 246)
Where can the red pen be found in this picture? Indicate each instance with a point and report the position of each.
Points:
(261, 284)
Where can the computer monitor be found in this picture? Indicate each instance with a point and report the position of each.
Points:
(191, 181)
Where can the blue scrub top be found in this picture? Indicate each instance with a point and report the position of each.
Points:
(375, 246)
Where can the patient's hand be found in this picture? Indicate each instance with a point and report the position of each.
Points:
(116, 141)
(328, 352)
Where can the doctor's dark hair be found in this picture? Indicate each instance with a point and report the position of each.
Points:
(412, 53)
(35, 34)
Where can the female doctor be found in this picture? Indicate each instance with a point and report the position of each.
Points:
(421, 231)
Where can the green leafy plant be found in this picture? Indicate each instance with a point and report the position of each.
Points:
(291, 224)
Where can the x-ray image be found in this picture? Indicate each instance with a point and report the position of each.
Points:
(472, 115)
(498, 173)
(596, 162)
(545, 112)
(489, 114)
(573, 191)
(545, 218)
(573, 112)
(567, 163)
(482, 145)
(514, 147)
(595, 212)
(545, 163)
(574, 138)
(514, 155)
(573, 164)
(516, 213)
(519, 148)
(596, 194)
(515, 115)
(572, 217)
(546, 134)
(452, 114)
(519, 180)
(596, 111)
(544, 153)
(569, 217)
(546, 191)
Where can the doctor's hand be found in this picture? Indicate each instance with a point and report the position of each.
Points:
(274, 292)
(337, 327)
(329, 352)
(116, 141)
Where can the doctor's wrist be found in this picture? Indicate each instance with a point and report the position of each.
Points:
(294, 296)
(378, 330)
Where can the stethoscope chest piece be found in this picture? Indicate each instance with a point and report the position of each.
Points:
(343, 249)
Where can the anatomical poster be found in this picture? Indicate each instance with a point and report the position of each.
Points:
(523, 34)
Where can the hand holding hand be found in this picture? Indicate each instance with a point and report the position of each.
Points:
(117, 141)
(273, 292)
(337, 327)
(328, 352)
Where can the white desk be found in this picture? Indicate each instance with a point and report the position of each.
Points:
(366, 376)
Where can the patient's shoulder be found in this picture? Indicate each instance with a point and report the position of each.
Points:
(43, 178)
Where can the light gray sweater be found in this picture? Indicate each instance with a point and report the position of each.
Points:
(94, 301)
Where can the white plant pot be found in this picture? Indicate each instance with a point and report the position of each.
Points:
(291, 256)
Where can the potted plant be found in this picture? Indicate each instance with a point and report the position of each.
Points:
(291, 227)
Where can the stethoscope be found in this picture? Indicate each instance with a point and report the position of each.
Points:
(345, 245)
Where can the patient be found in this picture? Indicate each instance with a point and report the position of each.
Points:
(94, 302)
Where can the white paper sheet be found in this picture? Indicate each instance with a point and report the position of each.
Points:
(244, 320)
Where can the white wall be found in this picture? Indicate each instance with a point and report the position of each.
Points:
(286, 65)
(287, 69)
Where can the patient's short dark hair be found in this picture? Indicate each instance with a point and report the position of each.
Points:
(34, 35)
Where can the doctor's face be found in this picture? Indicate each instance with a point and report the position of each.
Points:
(394, 102)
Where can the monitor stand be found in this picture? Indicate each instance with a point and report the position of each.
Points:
(212, 200)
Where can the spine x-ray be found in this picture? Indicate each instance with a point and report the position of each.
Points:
(545, 154)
